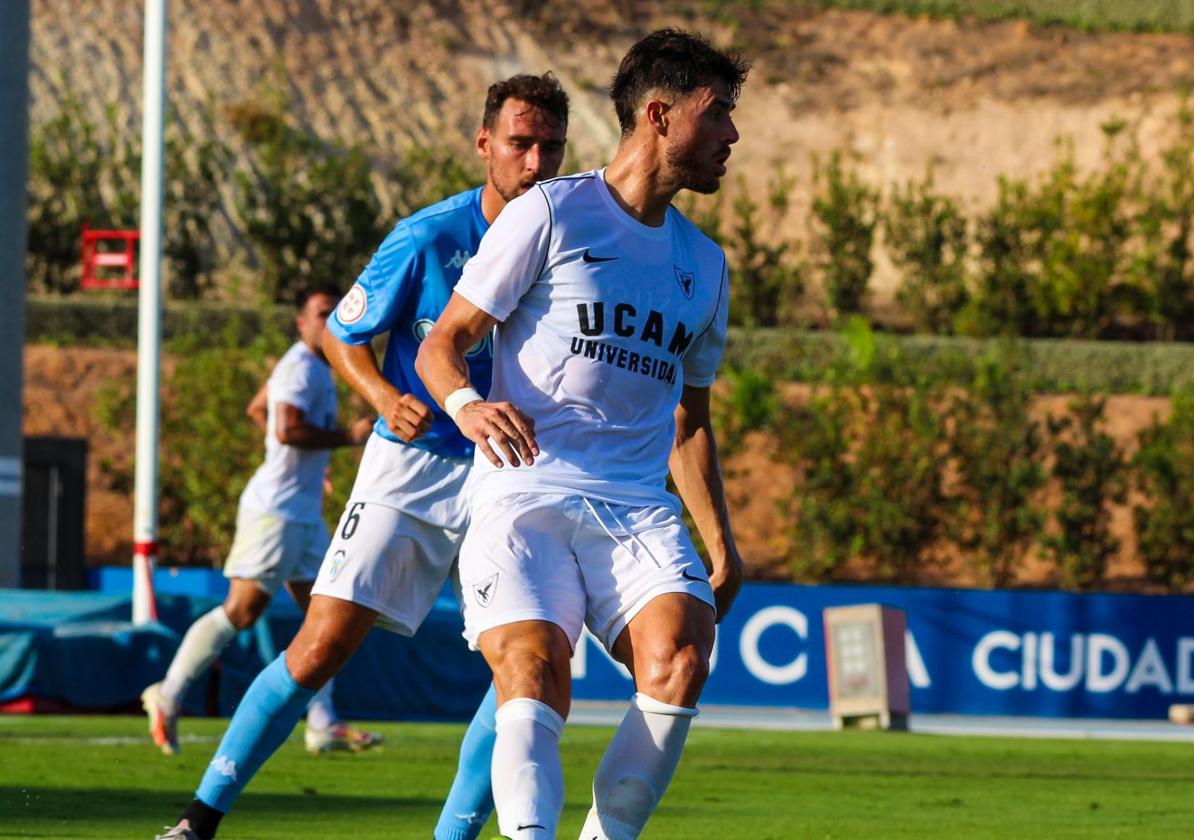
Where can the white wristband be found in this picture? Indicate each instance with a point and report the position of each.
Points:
(458, 399)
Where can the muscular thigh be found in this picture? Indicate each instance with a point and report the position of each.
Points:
(389, 561)
(517, 564)
(630, 556)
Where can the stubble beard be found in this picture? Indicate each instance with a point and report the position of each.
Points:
(508, 191)
(692, 175)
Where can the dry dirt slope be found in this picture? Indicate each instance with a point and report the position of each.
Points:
(973, 100)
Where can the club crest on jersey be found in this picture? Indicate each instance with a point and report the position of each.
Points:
(485, 590)
(687, 281)
(337, 564)
(353, 306)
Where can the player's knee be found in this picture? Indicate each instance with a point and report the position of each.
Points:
(243, 614)
(314, 659)
(675, 674)
(535, 665)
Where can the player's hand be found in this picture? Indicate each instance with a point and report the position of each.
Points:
(726, 580)
(486, 423)
(360, 430)
(407, 417)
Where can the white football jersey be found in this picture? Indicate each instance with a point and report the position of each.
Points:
(290, 482)
(603, 320)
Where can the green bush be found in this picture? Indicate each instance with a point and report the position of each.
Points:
(1163, 265)
(81, 173)
(1090, 469)
(927, 237)
(845, 215)
(869, 458)
(997, 447)
(1164, 476)
(766, 280)
(309, 210)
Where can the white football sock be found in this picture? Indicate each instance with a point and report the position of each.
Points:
(636, 768)
(203, 642)
(321, 713)
(528, 780)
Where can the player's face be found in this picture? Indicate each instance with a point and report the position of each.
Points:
(524, 146)
(699, 146)
(313, 318)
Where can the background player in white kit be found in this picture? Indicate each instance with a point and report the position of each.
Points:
(280, 533)
(610, 314)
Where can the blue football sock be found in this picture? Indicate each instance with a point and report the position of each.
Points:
(264, 719)
(470, 802)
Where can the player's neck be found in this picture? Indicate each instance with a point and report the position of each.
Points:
(637, 182)
(492, 202)
(315, 349)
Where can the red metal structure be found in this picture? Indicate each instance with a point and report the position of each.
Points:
(110, 268)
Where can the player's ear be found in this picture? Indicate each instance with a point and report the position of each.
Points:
(482, 144)
(657, 116)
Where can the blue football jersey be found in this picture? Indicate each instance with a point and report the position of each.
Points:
(403, 290)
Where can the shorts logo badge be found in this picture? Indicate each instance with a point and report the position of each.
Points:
(485, 590)
(337, 563)
(687, 281)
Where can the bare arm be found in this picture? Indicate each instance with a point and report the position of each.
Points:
(697, 473)
(258, 409)
(406, 415)
(291, 428)
(442, 367)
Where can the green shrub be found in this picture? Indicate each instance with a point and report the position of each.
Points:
(1089, 466)
(869, 459)
(309, 210)
(927, 237)
(1164, 476)
(749, 404)
(1163, 266)
(996, 448)
(765, 281)
(81, 173)
(845, 215)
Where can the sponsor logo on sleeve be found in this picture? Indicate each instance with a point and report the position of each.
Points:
(458, 260)
(352, 307)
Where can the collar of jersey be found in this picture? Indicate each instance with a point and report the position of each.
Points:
(476, 202)
(655, 233)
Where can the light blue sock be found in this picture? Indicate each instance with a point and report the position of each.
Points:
(265, 717)
(470, 802)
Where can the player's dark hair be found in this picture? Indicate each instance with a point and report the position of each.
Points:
(544, 92)
(307, 292)
(671, 61)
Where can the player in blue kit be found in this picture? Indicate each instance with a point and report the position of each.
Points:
(405, 519)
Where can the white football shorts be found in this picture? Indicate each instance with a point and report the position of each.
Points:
(573, 561)
(272, 551)
(399, 534)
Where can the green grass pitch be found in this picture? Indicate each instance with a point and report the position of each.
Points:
(97, 777)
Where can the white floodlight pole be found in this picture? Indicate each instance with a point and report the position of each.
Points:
(149, 315)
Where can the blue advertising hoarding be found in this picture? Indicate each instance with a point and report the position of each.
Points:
(968, 652)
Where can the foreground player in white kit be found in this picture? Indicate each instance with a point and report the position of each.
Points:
(280, 534)
(610, 311)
